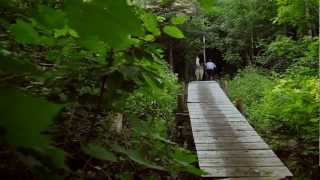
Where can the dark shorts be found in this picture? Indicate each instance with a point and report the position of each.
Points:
(210, 72)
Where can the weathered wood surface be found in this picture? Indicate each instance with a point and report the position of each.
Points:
(227, 145)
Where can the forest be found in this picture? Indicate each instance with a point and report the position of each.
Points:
(95, 89)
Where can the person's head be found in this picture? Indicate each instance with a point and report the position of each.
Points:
(210, 60)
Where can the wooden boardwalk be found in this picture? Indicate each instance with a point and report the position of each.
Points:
(227, 145)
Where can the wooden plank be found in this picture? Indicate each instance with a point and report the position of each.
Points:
(199, 116)
(213, 104)
(218, 119)
(214, 112)
(235, 153)
(227, 139)
(205, 107)
(212, 109)
(241, 162)
(231, 146)
(280, 171)
(223, 133)
(227, 128)
(254, 178)
(218, 123)
(208, 104)
(206, 127)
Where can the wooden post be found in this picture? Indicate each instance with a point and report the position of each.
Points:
(171, 56)
(204, 49)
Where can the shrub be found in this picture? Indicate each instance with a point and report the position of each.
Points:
(249, 85)
(292, 104)
(286, 52)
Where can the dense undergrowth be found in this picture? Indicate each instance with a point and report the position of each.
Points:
(85, 92)
(284, 107)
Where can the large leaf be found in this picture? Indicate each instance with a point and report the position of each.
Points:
(151, 23)
(136, 156)
(196, 171)
(25, 118)
(99, 152)
(111, 21)
(56, 155)
(176, 20)
(173, 32)
(184, 156)
(24, 32)
(18, 66)
(51, 18)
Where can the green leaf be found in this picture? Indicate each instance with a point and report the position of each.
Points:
(137, 157)
(25, 118)
(56, 155)
(64, 32)
(73, 33)
(99, 152)
(60, 32)
(173, 32)
(150, 81)
(24, 32)
(149, 38)
(207, 5)
(18, 66)
(125, 176)
(111, 21)
(196, 171)
(151, 23)
(184, 156)
(176, 20)
(51, 18)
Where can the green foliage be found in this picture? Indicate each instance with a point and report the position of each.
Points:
(176, 20)
(232, 58)
(25, 120)
(111, 21)
(10, 64)
(207, 5)
(299, 102)
(249, 86)
(283, 108)
(185, 159)
(285, 47)
(51, 18)
(99, 152)
(27, 115)
(285, 52)
(25, 33)
(235, 28)
(98, 54)
(151, 23)
(298, 13)
(173, 32)
(137, 157)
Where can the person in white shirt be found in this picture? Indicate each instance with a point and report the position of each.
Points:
(199, 70)
(210, 67)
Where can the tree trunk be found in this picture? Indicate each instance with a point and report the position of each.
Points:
(248, 58)
(252, 47)
(171, 56)
(307, 14)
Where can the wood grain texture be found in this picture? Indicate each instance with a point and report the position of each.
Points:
(277, 171)
(227, 145)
